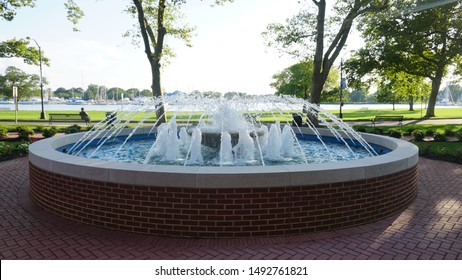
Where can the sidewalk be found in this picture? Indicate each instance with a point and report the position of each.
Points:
(431, 228)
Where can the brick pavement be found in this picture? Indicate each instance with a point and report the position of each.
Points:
(431, 228)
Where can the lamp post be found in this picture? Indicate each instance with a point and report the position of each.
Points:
(42, 114)
(342, 86)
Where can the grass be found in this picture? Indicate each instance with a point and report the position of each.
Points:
(407, 129)
(348, 115)
(441, 113)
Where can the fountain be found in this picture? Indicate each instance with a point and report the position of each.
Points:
(223, 169)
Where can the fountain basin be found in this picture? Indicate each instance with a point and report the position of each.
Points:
(223, 202)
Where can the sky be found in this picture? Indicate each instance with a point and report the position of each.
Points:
(228, 52)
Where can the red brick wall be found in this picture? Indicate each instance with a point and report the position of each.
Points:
(223, 213)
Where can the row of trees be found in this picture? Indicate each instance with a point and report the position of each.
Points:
(408, 42)
(29, 86)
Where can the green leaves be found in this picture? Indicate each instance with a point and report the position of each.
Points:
(28, 84)
(8, 7)
(20, 48)
(74, 13)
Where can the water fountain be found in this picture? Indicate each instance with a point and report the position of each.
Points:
(238, 170)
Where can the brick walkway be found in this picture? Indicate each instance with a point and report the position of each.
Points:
(431, 228)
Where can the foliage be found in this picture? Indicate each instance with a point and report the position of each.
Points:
(39, 128)
(20, 48)
(49, 132)
(296, 81)
(395, 133)
(439, 137)
(24, 132)
(72, 129)
(450, 151)
(28, 84)
(3, 132)
(418, 135)
(422, 41)
(429, 132)
(459, 134)
(307, 33)
(360, 128)
(401, 88)
(74, 13)
(8, 7)
(449, 132)
(10, 150)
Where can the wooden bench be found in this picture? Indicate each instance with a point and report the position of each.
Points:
(65, 118)
(377, 119)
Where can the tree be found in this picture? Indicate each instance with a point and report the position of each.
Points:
(422, 41)
(357, 96)
(91, 92)
(296, 80)
(308, 27)
(156, 19)
(132, 93)
(28, 84)
(114, 93)
(402, 87)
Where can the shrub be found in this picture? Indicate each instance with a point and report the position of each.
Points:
(24, 132)
(410, 130)
(439, 137)
(377, 130)
(39, 128)
(5, 148)
(49, 132)
(3, 132)
(72, 129)
(395, 133)
(418, 135)
(429, 132)
(459, 134)
(359, 128)
(21, 148)
(10, 150)
(448, 132)
(443, 152)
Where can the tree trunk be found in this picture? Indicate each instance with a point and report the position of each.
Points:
(316, 78)
(411, 104)
(154, 58)
(436, 83)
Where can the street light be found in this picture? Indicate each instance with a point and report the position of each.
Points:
(42, 114)
(342, 86)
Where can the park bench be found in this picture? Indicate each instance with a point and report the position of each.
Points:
(378, 119)
(65, 118)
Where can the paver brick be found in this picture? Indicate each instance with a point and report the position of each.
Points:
(429, 229)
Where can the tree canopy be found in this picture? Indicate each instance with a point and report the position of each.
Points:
(20, 48)
(28, 84)
(418, 37)
(310, 34)
(296, 80)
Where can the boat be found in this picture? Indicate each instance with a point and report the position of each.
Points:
(446, 98)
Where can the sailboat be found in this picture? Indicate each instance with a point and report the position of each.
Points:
(446, 98)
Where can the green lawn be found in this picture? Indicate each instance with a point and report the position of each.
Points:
(443, 113)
